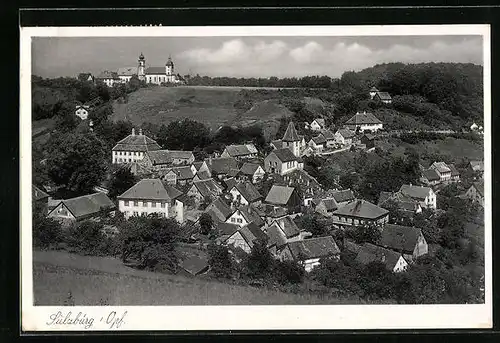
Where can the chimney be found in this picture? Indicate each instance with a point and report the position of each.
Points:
(133, 131)
(140, 132)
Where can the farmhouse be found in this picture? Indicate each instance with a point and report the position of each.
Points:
(245, 193)
(430, 177)
(282, 161)
(344, 136)
(310, 252)
(152, 196)
(308, 185)
(424, 195)
(377, 95)
(476, 192)
(318, 143)
(476, 166)
(316, 125)
(178, 176)
(203, 189)
(392, 260)
(133, 148)
(108, 78)
(82, 207)
(368, 140)
(283, 196)
(244, 215)
(364, 121)
(242, 151)
(252, 172)
(219, 210)
(246, 237)
(159, 159)
(221, 167)
(406, 240)
(332, 200)
(360, 212)
(402, 202)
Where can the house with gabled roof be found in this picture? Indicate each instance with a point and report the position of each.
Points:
(403, 203)
(368, 140)
(152, 196)
(109, 78)
(424, 195)
(360, 212)
(318, 143)
(282, 161)
(220, 167)
(442, 170)
(246, 237)
(309, 252)
(203, 189)
(40, 197)
(253, 172)
(364, 121)
(329, 138)
(160, 159)
(476, 192)
(331, 200)
(430, 177)
(316, 125)
(245, 193)
(476, 166)
(383, 97)
(244, 215)
(308, 185)
(133, 148)
(81, 208)
(283, 196)
(344, 136)
(219, 210)
(393, 261)
(178, 175)
(406, 240)
(240, 151)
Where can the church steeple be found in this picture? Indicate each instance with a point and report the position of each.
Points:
(141, 72)
(291, 139)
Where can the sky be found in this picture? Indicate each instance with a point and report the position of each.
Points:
(248, 56)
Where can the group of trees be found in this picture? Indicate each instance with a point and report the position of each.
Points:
(275, 82)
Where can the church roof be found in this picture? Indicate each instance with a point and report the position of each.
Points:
(291, 133)
(127, 71)
(155, 71)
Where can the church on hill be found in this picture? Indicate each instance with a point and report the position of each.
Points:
(149, 74)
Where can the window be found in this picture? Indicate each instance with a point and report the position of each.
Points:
(233, 220)
(162, 205)
(240, 220)
(136, 213)
(153, 204)
(136, 203)
(125, 202)
(162, 214)
(130, 160)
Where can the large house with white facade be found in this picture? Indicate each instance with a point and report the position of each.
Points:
(363, 121)
(133, 148)
(152, 196)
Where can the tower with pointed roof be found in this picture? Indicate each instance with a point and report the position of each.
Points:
(291, 139)
(141, 68)
(169, 67)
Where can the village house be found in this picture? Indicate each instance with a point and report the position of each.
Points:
(310, 252)
(332, 200)
(133, 148)
(282, 161)
(445, 172)
(408, 241)
(344, 137)
(246, 237)
(152, 196)
(316, 125)
(360, 212)
(82, 111)
(476, 192)
(244, 215)
(108, 78)
(424, 195)
(318, 143)
(86, 77)
(329, 138)
(368, 140)
(40, 198)
(218, 210)
(220, 167)
(393, 261)
(160, 159)
(241, 151)
(245, 193)
(270, 213)
(204, 189)
(178, 176)
(442, 170)
(377, 95)
(308, 185)
(430, 177)
(402, 202)
(283, 196)
(476, 166)
(364, 121)
(252, 172)
(82, 207)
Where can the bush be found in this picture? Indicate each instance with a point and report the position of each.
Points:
(259, 263)
(46, 232)
(87, 238)
(220, 261)
(288, 272)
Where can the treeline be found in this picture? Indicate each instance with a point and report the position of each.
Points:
(275, 82)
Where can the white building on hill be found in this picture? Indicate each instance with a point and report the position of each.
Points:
(133, 148)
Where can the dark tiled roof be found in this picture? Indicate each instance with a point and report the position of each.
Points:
(320, 121)
(363, 118)
(194, 265)
(479, 186)
(227, 228)
(454, 171)
(314, 248)
(477, 165)
(319, 139)
(248, 191)
(278, 143)
(107, 75)
(87, 205)
(384, 95)
(151, 189)
(230, 183)
(416, 192)
(155, 71)
(400, 238)
(291, 134)
(241, 150)
(276, 236)
(220, 208)
(368, 136)
(251, 214)
(182, 173)
(284, 155)
(207, 187)
(137, 143)
(330, 204)
(327, 134)
(279, 195)
(252, 232)
(222, 165)
(431, 175)
(203, 175)
(288, 226)
(342, 195)
(346, 133)
(371, 253)
(361, 209)
(383, 197)
(249, 168)
(197, 164)
(37, 193)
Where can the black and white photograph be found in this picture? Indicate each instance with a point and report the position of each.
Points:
(285, 169)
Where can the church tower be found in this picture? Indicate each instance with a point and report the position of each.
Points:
(291, 139)
(141, 72)
(169, 67)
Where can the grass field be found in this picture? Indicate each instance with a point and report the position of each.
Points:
(98, 280)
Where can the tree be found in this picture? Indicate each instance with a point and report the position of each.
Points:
(101, 114)
(177, 132)
(46, 231)
(87, 238)
(220, 261)
(66, 120)
(121, 180)
(259, 263)
(206, 223)
(76, 161)
(288, 272)
(311, 223)
(365, 234)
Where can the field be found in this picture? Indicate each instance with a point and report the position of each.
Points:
(99, 280)
(213, 106)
